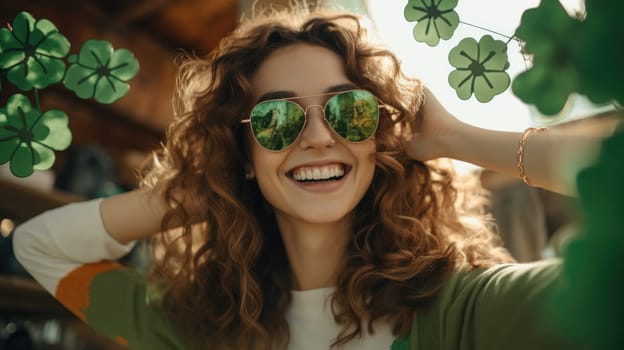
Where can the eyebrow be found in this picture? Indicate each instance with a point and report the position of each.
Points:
(273, 95)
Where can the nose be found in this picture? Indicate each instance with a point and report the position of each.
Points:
(316, 133)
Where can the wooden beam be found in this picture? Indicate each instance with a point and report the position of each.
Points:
(20, 202)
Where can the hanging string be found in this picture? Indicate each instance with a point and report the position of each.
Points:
(509, 38)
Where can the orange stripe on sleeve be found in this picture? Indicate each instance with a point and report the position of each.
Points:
(122, 341)
(73, 289)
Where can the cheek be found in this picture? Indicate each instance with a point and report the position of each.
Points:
(366, 159)
(268, 180)
(367, 154)
(266, 166)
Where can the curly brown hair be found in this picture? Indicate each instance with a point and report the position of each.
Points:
(226, 270)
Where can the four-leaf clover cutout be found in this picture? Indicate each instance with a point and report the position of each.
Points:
(29, 138)
(480, 68)
(550, 35)
(101, 72)
(32, 52)
(436, 19)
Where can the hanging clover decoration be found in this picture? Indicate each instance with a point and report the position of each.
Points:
(568, 54)
(553, 75)
(436, 19)
(598, 56)
(480, 68)
(32, 54)
(99, 71)
(29, 138)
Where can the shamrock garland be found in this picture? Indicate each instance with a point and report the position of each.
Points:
(435, 20)
(480, 68)
(32, 56)
(568, 55)
(101, 72)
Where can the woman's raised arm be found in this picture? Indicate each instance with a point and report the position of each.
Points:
(133, 215)
(57, 242)
(551, 158)
(71, 252)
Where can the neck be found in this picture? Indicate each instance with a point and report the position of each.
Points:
(315, 250)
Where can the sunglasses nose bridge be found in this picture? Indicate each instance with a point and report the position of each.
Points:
(321, 108)
(310, 106)
(323, 117)
(317, 130)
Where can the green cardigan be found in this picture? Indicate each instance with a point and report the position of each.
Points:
(503, 307)
(500, 308)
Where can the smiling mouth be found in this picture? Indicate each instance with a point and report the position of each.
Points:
(331, 172)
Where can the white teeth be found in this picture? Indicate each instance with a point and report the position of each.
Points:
(325, 173)
(318, 173)
(339, 171)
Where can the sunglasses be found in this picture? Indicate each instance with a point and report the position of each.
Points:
(353, 115)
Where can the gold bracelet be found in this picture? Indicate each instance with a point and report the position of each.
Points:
(520, 152)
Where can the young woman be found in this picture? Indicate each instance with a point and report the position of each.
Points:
(297, 211)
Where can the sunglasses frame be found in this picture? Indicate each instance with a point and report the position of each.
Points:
(380, 105)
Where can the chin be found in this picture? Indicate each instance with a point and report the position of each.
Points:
(322, 215)
(325, 218)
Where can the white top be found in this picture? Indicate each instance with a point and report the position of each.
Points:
(56, 242)
(312, 324)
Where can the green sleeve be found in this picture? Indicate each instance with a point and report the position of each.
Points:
(119, 303)
(503, 307)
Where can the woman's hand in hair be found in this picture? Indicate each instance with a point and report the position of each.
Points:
(435, 127)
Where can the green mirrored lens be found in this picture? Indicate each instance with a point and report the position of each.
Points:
(276, 124)
(353, 114)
